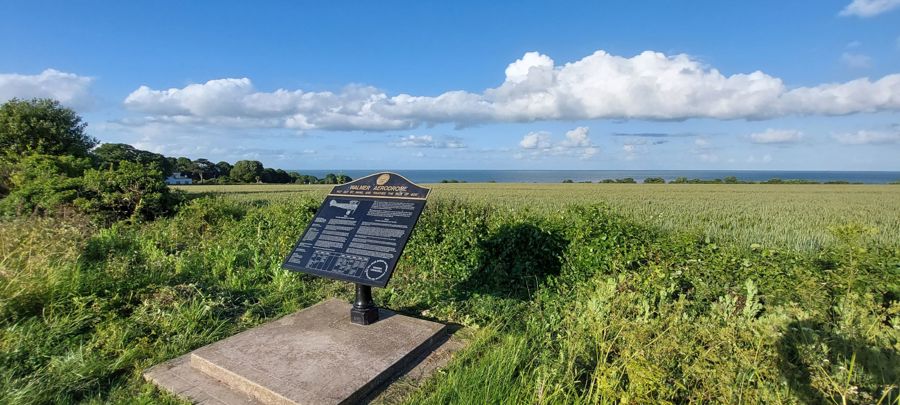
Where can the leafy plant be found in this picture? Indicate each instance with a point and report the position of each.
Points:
(130, 191)
(42, 184)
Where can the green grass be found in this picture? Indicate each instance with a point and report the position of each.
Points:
(795, 216)
(568, 301)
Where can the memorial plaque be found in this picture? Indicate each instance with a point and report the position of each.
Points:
(360, 230)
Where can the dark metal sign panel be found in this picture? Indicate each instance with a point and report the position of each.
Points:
(360, 230)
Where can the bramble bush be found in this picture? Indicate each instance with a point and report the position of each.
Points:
(57, 185)
(129, 191)
(43, 184)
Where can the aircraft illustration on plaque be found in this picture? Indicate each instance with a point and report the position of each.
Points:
(350, 206)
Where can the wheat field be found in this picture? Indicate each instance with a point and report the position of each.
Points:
(789, 216)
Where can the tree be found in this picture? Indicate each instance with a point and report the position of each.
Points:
(282, 177)
(203, 169)
(277, 176)
(223, 168)
(247, 171)
(332, 178)
(172, 164)
(109, 155)
(305, 179)
(269, 175)
(41, 126)
(184, 165)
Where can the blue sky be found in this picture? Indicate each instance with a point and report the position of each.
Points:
(466, 85)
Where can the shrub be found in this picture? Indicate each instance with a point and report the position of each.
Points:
(131, 191)
(42, 184)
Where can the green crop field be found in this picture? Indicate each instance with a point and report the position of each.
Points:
(796, 216)
(569, 293)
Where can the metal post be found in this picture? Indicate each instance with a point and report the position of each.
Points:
(364, 311)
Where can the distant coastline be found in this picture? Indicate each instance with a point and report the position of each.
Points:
(558, 176)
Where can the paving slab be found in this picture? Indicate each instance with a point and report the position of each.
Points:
(178, 377)
(314, 356)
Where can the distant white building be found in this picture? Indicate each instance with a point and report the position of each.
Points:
(178, 178)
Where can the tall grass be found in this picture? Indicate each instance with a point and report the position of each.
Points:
(568, 305)
(640, 317)
(84, 311)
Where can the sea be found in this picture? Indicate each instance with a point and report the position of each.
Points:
(557, 176)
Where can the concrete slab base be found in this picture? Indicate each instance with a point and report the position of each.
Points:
(314, 356)
(411, 379)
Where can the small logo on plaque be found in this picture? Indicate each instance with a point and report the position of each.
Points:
(382, 179)
(376, 270)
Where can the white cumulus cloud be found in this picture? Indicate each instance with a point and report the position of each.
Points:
(535, 140)
(235, 102)
(577, 143)
(68, 88)
(774, 136)
(651, 86)
(577, 138)
(869, 8)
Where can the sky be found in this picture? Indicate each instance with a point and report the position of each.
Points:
(718, 85)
